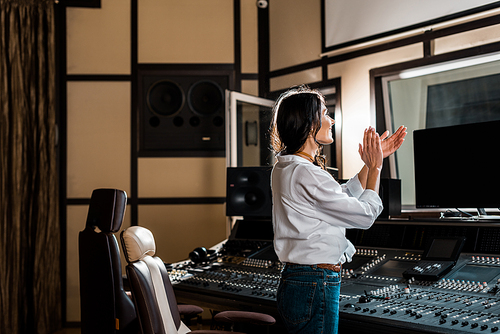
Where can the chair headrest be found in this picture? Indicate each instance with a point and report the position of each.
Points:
(137, 242)
(107, 209)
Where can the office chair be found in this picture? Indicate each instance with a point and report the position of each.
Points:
(153, 293)
(105, 306)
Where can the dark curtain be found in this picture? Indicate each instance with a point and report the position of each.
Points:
(30, 283)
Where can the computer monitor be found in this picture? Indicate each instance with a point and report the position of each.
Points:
(457, 166)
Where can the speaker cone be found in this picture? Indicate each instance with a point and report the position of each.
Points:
(249, 177)
(248, 198)
(248, 191)
(165, 98)
(205, 98)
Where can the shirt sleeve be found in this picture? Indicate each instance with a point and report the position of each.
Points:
(329, 203)
(353, 187)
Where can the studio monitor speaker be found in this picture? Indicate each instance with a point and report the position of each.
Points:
(181, 113)
(248, 192)
(390, 193)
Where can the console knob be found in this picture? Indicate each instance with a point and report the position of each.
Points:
(364, 299)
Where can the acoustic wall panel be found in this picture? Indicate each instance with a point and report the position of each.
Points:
(185, 32)
(98, 40)
(178, 229)
(181, 177)
(98, 137)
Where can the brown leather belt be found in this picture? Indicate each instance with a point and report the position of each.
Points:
(334, 267)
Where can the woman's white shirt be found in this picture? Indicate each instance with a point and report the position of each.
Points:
(311, 212)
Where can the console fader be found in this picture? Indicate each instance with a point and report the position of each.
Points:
(375, 295)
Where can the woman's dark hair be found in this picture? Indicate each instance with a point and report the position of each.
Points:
(296, 115)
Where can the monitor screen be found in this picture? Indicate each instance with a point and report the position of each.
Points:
(473, 272)
(393, 268)
(456, 166)
(444, 249)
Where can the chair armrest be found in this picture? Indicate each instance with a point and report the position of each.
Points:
(253, 318)
(189, 310)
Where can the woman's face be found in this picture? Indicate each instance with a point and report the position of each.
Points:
(325, 135)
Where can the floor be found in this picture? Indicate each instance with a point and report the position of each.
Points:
(69, 331)
(78, 330)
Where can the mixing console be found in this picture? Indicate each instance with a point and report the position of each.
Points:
(373, 293)
(465, 300)
(384, 289)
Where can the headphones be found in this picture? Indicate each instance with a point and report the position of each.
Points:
(201, 254)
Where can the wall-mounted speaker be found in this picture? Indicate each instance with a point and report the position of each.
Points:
(181, 112)
(248, 192)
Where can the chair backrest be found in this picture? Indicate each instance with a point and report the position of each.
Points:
(105, 306)
(152, 290)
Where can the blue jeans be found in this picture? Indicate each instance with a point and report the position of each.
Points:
(308, 299)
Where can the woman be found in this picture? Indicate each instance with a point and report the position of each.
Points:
(311, 210)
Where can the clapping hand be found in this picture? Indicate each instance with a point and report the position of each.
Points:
(392, 143)
(371, 151)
